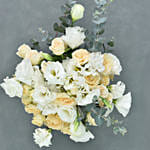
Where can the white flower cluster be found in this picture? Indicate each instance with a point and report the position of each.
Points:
(52, 90)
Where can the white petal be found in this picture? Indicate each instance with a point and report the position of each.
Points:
(67, 113)
(24, 72)
(12, 87)
(123, 104)
(38, 79)
(117, 90)
(74, 36)
(81, 135)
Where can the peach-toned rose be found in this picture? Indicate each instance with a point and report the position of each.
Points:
(35, 57)
(108, 64)
(105, 80)
(23, 50)
(103, 91)
(66, 128)
(53, 121)
(63, 99)
(81, 56)
(38, 120)
(32, 109)
(58, 46)
(27, 95)
(92, 80)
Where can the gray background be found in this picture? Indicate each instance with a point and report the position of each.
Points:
(128, 22)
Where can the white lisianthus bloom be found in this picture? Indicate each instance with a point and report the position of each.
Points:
(25, 72)
(43, 96)
(38, 79)
(117, 90)
(42, 137)
(96, 62)
(49, 108)
(12, 87)
(88, 99)
(80, 135)
(55, 73)
(77, 12)
(74, 37)
(123, 104)
(67, 113)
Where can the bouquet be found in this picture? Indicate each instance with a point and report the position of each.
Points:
(70, 87)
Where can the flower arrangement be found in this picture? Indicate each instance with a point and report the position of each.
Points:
(69, 88)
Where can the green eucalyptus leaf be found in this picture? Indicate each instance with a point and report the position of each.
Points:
(111, 43)
(121, 130)
(100, 20)
(98, 119)
(58, 28)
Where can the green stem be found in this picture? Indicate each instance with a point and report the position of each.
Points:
(106, 102)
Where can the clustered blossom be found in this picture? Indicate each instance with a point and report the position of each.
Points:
(54, 90)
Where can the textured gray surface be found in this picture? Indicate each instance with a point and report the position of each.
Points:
(128, 22)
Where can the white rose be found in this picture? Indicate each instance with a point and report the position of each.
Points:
(25, 72)
(55, 73)
(12, 87)
(117, 90)
(77, 12)
(42, 137)
(74, 37)
(123, 104)
(80, 135)
(67, 113)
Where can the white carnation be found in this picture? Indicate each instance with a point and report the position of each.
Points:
(67, 113)
(117, 68)
(88, 99)
(55, 73)
(80, 135)
(117, 90)
(96, 61)
(123, 104)
(42, 137)
(74, 37)
(43, 96)
(12, 87)
(25, 72)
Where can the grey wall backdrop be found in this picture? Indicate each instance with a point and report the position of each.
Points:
(128, 22)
